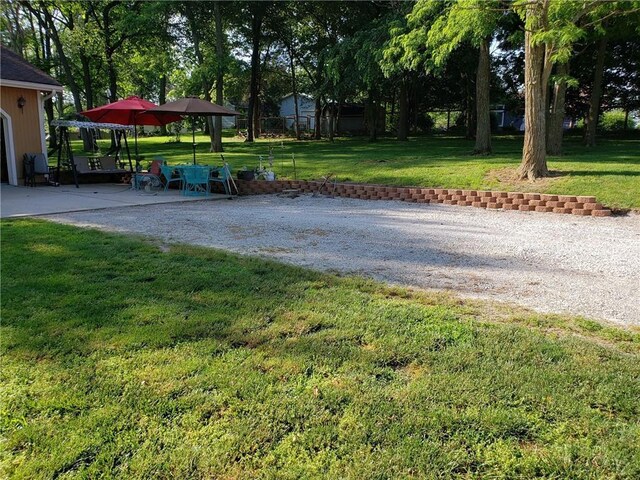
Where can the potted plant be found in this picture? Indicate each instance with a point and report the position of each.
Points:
(245, 174)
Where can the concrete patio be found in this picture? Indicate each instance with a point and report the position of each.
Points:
(46, 200)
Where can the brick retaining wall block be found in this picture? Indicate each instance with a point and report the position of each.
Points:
(561, 210)
(601, 213)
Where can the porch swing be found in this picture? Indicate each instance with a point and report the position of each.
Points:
(90, 166)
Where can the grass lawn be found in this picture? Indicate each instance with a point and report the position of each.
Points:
(124, 359)
(610, 171)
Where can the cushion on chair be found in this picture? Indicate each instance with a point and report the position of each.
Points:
(82, 165)
(40, 163)
(155, 167)
(108, 163)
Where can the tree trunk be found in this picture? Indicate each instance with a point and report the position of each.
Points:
(556, 116)
(206, 86)
(596, 95)
(403, 112)
(534, 162)
(88, 140)
(87, 80)
(483, 107)
(257, 126)
(626, 119)
(162, 98)
(89, 144)
(468, 110)
(49, 106)
(256, 25)
(294, 89)
(372, 117)
(64, 60)
(53, 138)
(332, 120)
(111, 68)
(317, 118)
(217, 131)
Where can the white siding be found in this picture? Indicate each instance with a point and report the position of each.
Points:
(306, 108)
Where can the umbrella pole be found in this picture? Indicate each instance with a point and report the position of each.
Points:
(193, 137)
(135, 138)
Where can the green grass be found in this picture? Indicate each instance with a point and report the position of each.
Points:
(610, 171)
(124, 359)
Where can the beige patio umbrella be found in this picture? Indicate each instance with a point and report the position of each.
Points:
(193, 106)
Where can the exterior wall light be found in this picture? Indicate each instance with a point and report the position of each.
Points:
(21, 103)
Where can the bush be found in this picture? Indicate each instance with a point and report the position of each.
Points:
(425, 123)
(612, 120)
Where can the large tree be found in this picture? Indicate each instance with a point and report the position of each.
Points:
(552, 27)
(473, 22)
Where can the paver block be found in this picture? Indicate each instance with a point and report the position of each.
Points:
(561, 210)
(601, 213)
(592, 206)
(581, 211)
(549, 198)
(573, 205)
(480, 204)
(544, 209)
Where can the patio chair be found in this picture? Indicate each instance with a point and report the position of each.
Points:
(221, 175)
(167, 172)
(35, 164)
(149, 181)
(196, 180)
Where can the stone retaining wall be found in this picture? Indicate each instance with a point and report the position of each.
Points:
(525, 202)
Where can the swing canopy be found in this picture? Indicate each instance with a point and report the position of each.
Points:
(81, 124)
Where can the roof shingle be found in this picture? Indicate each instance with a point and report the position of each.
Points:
(13, 67)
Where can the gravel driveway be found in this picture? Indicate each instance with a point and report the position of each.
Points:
(548, 262)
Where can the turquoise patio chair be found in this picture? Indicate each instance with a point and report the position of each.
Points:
(195, 180)
(221, 175)
(168, 174)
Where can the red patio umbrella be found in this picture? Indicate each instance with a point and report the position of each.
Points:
(130, 112)
(192, 106)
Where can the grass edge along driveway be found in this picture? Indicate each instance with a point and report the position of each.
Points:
(123, 359)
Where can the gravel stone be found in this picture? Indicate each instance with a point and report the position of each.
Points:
(548, 262)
